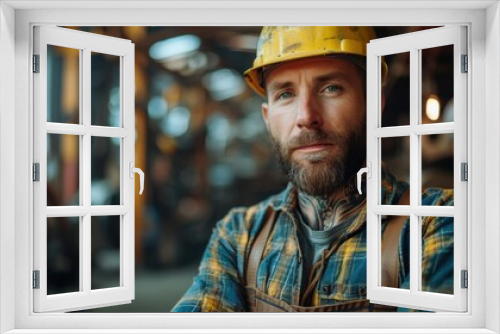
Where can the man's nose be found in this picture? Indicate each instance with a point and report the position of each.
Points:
(309, 115)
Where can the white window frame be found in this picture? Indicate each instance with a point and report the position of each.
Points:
(414, 43)
(17, 19)
(85, 43)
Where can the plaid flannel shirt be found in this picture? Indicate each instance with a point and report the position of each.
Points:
(220, 284)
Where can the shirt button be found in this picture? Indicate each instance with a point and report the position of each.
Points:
(327, 289)
(362, 290)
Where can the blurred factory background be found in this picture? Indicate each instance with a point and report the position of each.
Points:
(204, 148)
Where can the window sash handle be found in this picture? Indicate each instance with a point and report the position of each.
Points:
(368, 171)
(138, 171)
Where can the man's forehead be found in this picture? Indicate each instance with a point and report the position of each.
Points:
(321, 68)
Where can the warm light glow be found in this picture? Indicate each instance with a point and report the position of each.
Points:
(432, 108)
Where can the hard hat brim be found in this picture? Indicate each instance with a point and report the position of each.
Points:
(254, 77)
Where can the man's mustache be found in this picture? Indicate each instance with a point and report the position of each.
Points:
(313, 137)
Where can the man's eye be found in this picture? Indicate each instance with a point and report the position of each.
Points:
(333, 89)
(285, 95)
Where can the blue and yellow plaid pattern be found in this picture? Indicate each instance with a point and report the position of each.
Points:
(220, 283)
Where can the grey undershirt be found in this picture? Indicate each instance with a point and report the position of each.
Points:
(312, 243)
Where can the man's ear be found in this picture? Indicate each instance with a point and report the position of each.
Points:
(382, 102)
(265, 109)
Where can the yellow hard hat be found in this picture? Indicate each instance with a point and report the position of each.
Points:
(281, 44)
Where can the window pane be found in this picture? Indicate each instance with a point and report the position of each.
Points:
(105, 170)
(437, 167)
(437, 84)
(395, 164)
(391, 228)
(437, 254)
(63, 167)
(105, 90)
(397, 90)
(63, 84)
(63, 255)
(105, 235)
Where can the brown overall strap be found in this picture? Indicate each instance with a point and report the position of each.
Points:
(257, 248)
(390, 246)
(390, 250)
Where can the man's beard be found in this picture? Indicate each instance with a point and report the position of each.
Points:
(323, 175)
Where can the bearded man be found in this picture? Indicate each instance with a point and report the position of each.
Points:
(305, 248)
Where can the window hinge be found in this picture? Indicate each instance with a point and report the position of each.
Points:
(465, 64)
(36, 172)
(465, 279)
(36, 279)
(465, 172)
(36, 63)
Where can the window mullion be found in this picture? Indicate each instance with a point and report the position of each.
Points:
(415, 89)
(85, 274)
(81, 232)
(406, 210)
(127, 155)
(85, 255)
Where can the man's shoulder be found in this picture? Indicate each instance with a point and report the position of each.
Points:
(437, 197)
(393, 189)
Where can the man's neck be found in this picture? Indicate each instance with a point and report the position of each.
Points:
(322, 213)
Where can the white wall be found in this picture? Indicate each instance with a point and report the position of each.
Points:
(492, 153)
(488, 154)
(7, 161)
